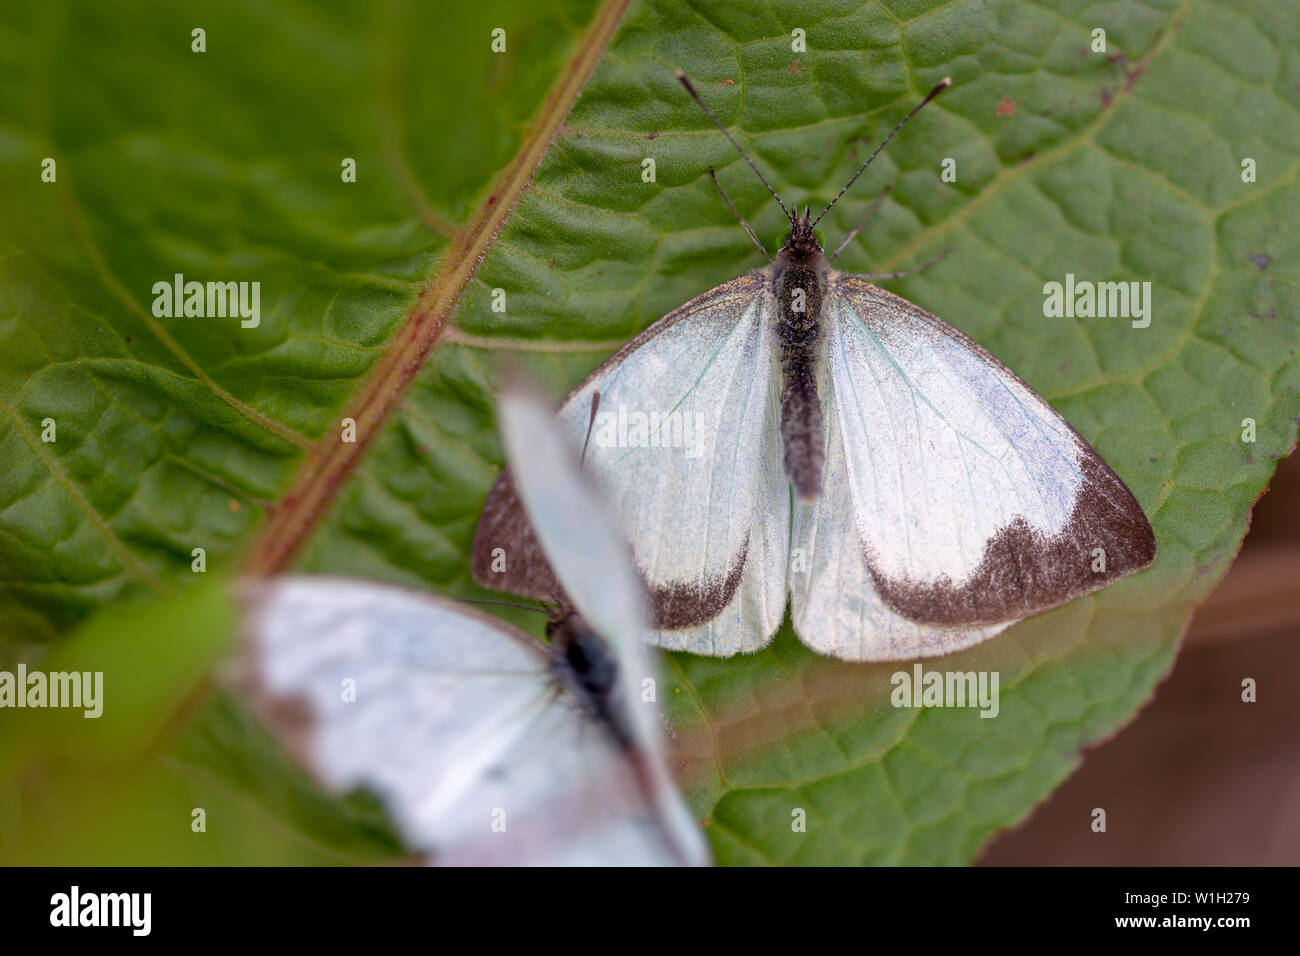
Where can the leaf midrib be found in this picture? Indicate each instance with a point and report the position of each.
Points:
(323, 473)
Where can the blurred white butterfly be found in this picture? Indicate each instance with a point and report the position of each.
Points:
(485, 746)
(848, 450)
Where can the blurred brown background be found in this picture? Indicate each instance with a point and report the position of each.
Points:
(1200, 778)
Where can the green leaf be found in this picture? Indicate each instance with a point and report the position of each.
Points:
(1118, 166)
(224, 165)
(122, 781)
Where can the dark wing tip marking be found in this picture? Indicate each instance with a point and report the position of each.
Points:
(679, 605)
(504, 525)
(1024, 573)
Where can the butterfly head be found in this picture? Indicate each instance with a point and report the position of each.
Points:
(802, 243)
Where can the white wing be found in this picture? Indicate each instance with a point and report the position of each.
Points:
(456, 724)
(708, 520)
(956, 501)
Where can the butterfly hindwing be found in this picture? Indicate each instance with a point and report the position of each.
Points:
(834, 606)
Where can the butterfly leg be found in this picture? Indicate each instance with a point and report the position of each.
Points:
(669, 727)
(739, 217)
(871, 211)
(907, 272)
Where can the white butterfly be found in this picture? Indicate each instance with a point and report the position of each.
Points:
(485, 746)
(907, 492)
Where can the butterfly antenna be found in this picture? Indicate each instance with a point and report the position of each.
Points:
(591, 422)
(943, 85)
(518, 607)
(731, 139)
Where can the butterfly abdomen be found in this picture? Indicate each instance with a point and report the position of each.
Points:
(799, 300)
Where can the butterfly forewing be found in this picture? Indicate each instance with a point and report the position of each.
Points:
(957, 500)
(684, 448)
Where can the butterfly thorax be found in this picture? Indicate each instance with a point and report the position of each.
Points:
(587, 666)
(799, 283)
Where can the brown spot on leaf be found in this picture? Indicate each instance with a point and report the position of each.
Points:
(1130, 76)
(1006, 106)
